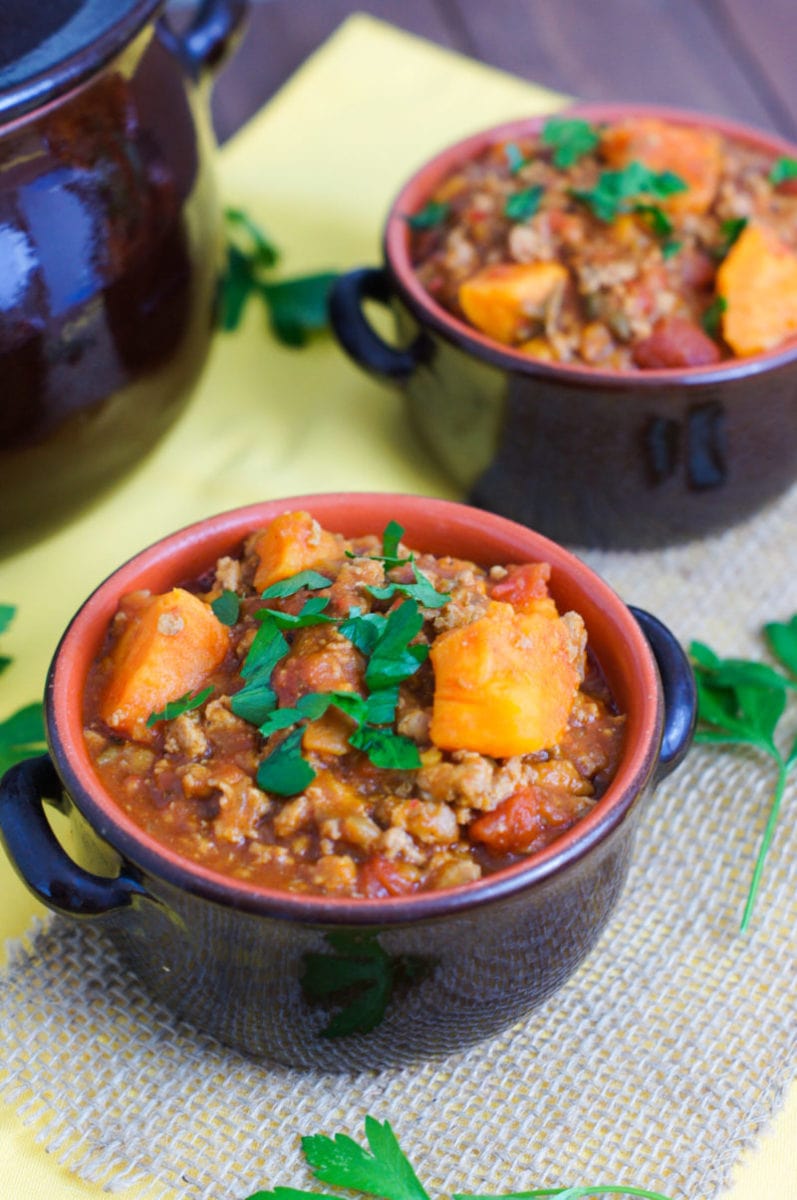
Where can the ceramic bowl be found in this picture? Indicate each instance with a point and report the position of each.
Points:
(589, 457)
(111, 242)
(348, 983)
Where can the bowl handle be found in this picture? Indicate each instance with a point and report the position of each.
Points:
(356, 334)
(679, 688)
(209, 38)
(38, 857)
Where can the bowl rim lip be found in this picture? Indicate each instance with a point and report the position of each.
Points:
(395, 249)
(135, 847)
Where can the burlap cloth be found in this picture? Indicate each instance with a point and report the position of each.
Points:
(672, 1046)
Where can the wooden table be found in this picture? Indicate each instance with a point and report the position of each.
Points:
(731, 57)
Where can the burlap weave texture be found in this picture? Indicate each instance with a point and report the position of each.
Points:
(660, 1059)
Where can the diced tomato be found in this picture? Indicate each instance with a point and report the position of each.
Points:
(676, 342)
(523, 583)
(514, 826)
(382, 877)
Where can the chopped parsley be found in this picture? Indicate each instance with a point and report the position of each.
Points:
(634, 188)
(670, 248)
(523, 204)
(785, 168)
(386, 641)
(226, 607)
(570, 137)
(514, 158)
(285, 772)
(311, 580)
(432, 214)
(712, 317)
(730, 231)
(176, 708)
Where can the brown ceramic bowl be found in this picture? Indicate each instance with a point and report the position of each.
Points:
(111, 242)
(348, 983)
(587, 456)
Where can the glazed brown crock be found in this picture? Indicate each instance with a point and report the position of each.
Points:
(348, 983)
(589, 457)
(110, 243)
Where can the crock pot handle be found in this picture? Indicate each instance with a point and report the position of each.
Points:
(210, 36)
(356, 334)
(679, 688)
(38, 857)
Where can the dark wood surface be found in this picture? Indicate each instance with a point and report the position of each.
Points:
(737, 58)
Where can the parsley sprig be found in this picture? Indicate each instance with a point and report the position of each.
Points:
(384, 1170)
(21, 734)
(386, 640)
(570, 137)
(741, 702)
(296, 307)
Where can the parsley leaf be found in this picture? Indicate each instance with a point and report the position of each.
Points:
(570, 137)
(261, 249)
(254, 701)
(432, 214)
(392, 658)
(311, 580)
(741, 702)
(785, 168)
(514, 158)
(176, 708)
(622, 191)
(298, 307)
(311, 613)
(284, 771)
(22, 736)
(7, 613)
(730, 230)
(227, 607)
(423, 590)
(670, 247)
(522, 205)
(391, 751)
(267, 648)
(363, 629)
(658, 220)
(782, 641)
(391, 540)
(384, 1171)
(712, 317)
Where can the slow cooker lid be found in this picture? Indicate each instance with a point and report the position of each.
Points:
(52, 45)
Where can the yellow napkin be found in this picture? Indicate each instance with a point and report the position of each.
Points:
(317, 168)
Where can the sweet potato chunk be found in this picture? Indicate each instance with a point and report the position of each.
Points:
(695, 155)
(293, 542)
(501, 300)
(505, 684)
(758, 280)
(169, 647)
